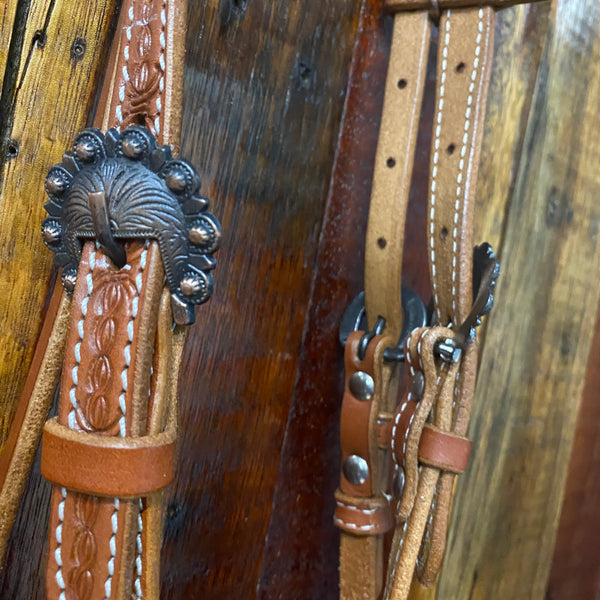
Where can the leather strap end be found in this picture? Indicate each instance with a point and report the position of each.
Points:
(362, 516)
(443, 450)
(105, 465)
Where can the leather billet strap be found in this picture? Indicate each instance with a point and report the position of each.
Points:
(363, 511)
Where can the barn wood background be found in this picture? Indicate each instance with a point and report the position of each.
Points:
(282, 102)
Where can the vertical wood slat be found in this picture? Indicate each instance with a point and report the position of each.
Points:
(263, 98)
(538, 338)
(51, 101)
(8, 9)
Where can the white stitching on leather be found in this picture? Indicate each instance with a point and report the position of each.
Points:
(114, 519)
(461, 164)
(58, 553)
(138, 558)
(339, 521)
(161, 60)
(364, 511)
(118, 108)
(436, 155)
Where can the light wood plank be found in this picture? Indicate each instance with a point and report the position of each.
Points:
(538, 339)
(8, 9)
(51, 102)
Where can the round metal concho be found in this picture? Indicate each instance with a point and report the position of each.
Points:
(356, 469)
(361, 385)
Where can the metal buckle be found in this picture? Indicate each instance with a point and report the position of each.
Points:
(355, 319)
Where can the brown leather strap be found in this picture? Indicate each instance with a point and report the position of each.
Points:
(443, 450)
(107, 466)
(362, 510)
(120, 374)
(393, 170)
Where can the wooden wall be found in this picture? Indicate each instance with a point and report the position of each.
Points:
(282, 102)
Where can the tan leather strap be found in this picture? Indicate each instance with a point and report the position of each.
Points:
(464, 59)
(393, 170)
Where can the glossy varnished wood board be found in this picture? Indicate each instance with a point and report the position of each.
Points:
(264, 91)
(538, 338)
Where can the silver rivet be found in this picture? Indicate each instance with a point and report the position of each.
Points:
(356, 469)
(69, 278)
(398, 483)
(51, 232)
(418, 385)
(361, 385)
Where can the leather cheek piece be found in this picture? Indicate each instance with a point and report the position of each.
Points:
(371, 517)
(107, 466)
(444, 450)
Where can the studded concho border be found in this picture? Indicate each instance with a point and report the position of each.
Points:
(149, 194)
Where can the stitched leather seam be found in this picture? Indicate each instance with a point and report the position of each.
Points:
(436, 154)
(396, 558)
(364, 511)
(58, 553)
(122, 420)
(161, 61)
(138, 558)
(461, 164)
(353, 525)
(119, 109)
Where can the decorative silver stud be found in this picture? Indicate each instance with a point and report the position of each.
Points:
(133, 147)
(85, 150)
(361, 385)
(69, 278)
(55, 184)
(176, 180)
(356, 469)
(51, 232)
(200, 235)
(190, 285)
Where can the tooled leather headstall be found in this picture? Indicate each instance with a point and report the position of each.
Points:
(134, 240)
(400, 457)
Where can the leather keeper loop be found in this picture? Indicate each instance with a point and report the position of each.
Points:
(444, 450)
(107, 466)
(361, 516)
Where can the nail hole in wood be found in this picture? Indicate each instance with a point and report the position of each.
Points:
(382, 242)
(444, 233)
(391, 162)
(78, 48)
(402, 83)
(460, 67)
(39, 38)
(13, 149)
(450, 149)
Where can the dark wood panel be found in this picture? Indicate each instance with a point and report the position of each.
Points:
(575, 569)
(264, 92)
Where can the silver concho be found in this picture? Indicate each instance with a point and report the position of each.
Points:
(148, 194)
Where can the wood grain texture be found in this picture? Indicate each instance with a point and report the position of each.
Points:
(575, 569)
(8, 9)
(265, 85)
(538, 339)
(51, 99)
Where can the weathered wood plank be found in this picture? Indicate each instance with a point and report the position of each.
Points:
(52, 99)
(264, 93)
(539, 336)
(8, 9)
